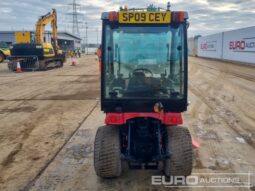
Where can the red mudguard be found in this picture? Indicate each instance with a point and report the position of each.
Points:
(165, 118)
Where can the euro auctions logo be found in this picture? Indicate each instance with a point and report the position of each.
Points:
(216, 180)
(243, 45)
(208, 46)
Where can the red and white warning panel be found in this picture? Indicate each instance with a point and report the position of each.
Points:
(237, 45)
(210, 46)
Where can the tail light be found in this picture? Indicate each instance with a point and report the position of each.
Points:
(113, 16)
(179, 16)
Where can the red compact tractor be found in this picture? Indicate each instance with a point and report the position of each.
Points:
(144, 82)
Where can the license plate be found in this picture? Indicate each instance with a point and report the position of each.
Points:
(144, 17)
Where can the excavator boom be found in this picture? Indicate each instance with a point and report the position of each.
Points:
(40, 27)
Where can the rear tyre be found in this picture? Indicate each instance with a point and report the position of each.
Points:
(107, 152)
(1, 57)
(179, 145)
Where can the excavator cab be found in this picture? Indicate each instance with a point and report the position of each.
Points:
(143, 92)
(48, 50)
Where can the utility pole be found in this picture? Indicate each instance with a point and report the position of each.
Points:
(86, 45)
(97, 36)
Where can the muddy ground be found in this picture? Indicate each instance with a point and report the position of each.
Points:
(48, 121)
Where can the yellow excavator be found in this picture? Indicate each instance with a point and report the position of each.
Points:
(39, 55)
(4, 51)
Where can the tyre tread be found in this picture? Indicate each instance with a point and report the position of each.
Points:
(180, 144)
(107, 160)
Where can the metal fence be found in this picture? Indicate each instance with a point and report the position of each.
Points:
(26, 62)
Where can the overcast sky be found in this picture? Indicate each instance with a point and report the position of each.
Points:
(206, 16)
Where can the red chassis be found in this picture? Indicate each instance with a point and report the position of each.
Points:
(165, 118)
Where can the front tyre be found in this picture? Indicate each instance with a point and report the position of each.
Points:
(179, 145)
(1, 57)
(107, 152)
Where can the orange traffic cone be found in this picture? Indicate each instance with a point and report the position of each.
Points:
(73, 61)
(18, 68)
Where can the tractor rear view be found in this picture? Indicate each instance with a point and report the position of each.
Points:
(143, 92)
(39, 55)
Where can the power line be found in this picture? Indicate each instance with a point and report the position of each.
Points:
(75, 22)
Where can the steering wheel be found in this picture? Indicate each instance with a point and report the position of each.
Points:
(145, 70)
(120, 89)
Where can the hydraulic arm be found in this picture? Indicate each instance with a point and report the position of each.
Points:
(40, 27)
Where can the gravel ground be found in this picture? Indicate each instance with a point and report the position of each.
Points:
(48, 121)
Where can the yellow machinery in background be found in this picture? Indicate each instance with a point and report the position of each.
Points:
(4, 51)
(38, 55)
(23, 37)
(39, 33)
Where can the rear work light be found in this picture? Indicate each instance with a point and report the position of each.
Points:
(113, 16)
(179, 16)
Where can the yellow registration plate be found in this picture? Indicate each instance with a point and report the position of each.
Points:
(144, 17)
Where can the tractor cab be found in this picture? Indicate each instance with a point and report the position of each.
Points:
(144, 59)
(143, 92)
